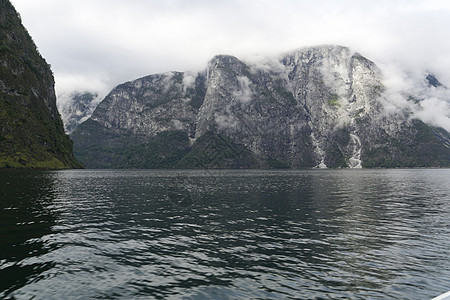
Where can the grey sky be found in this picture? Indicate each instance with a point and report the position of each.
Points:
(97, 44)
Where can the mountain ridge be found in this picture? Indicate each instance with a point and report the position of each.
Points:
(313, 107)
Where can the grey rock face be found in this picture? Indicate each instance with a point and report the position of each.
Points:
(314, 107)
(152, 104)
(337, 88)
(255, 107)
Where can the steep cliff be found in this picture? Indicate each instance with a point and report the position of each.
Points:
(31, 130)
(314, 107)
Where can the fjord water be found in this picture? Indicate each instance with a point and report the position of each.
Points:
(109, 234)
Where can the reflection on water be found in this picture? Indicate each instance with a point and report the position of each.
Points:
(25, 217)
(225, 234)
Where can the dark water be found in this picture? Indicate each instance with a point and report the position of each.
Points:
(361, 234)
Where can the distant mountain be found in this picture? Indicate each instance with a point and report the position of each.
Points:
(315, 107)
(31, 130)
(77, 108)
(433, 81)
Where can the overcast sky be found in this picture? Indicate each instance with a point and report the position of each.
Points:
(96, 44)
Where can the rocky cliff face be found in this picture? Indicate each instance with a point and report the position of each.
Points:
(315, 107)
(31, 130)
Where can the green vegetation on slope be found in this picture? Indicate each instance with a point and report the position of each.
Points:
(429, 147)
(31, 130)
(214, 151)
(98, 147)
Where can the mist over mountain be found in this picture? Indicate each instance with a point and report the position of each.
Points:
(324, 106)
(76, 108)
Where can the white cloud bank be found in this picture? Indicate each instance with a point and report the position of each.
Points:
(96, 44)
(411, 91)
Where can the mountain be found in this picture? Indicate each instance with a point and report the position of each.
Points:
(31, 130)
(77, 108)
(314, 107)
(433, 81)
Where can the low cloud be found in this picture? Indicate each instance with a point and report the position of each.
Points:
(411, 92)
(70, 83)
(227, 122)
(435, 112)
(188, 80)
(95, 45)
(244, 94)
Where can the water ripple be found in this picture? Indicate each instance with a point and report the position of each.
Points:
(380, 234)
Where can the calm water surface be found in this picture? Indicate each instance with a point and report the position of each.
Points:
(340, 234)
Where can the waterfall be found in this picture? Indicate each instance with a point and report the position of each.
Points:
(319, 152)
(354, 162)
